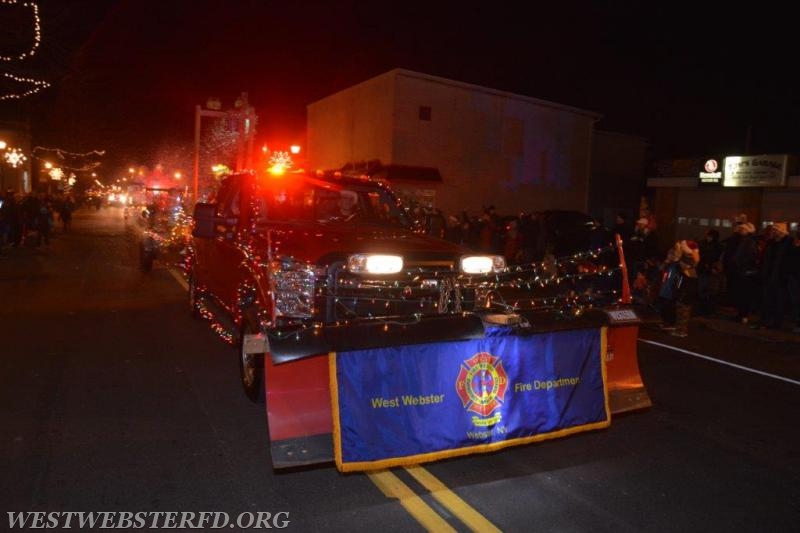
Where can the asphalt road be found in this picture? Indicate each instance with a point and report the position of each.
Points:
(112, 398)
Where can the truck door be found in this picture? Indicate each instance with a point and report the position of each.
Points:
(207, 248)
(225, 265)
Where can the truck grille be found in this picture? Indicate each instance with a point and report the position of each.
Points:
(423, 288)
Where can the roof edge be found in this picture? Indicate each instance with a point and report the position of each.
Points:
(454, 83)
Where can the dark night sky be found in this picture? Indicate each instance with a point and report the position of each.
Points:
(127, 74)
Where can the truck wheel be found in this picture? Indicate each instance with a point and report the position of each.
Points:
(251, 368)
(146, 260)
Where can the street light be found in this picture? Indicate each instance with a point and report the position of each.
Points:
(2, 172)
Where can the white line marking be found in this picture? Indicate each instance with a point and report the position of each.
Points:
(179, 278)
(740, 367)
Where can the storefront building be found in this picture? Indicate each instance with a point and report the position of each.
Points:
(691, 196)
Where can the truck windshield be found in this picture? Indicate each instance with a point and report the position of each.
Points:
(349, 204)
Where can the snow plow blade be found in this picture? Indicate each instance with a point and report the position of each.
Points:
(298, 385)
(375, 334)
(626, 390)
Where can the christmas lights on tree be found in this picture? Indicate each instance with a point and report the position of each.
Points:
(280, 162)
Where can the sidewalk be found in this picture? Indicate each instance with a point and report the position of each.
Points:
(723, 323)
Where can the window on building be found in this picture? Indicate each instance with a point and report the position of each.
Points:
(424, 112)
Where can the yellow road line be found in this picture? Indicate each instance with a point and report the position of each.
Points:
(461, 509)
(177, 275)
(393, 487)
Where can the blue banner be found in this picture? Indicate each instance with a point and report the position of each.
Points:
(410, 404)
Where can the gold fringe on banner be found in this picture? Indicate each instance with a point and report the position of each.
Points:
(409, 460)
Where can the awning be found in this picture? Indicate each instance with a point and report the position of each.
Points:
(374, 169)
(406, 173)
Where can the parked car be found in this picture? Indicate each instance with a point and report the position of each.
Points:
(571, 231)
(557, 232)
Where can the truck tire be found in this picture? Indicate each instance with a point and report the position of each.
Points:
(251, 367)
(146, 259)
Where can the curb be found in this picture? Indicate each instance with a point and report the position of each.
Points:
(734, 328)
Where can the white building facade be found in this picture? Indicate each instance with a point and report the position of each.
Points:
(457, 146)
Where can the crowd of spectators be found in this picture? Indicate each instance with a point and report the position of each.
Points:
(756, 275)
(29, 219)
(522, 238)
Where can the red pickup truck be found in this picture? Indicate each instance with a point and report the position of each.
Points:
(291, 267)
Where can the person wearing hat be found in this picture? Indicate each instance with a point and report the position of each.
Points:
(775, 275)
(641, 250)
(793, 260)
(622, 227)
(687, 294)
(679, 286)
(729, 247)
(709, 273)
(743, 269)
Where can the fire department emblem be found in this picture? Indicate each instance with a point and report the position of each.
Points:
(481, 384)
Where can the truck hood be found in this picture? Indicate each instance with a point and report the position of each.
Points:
(317, 243)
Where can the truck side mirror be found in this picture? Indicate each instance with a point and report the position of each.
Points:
(204, 215)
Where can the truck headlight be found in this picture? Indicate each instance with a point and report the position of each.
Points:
(482, 264)
(375, 263)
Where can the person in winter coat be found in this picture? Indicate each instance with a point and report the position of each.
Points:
(679, 286)
(793, 263)
(745, 265)
(622, 227)
(774, 274)
(65, 212)
(709, 273)
(687, 290)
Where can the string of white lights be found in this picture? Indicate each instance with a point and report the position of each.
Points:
(38, 85)
(62, 153)
(37, 31)
(34, 85)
